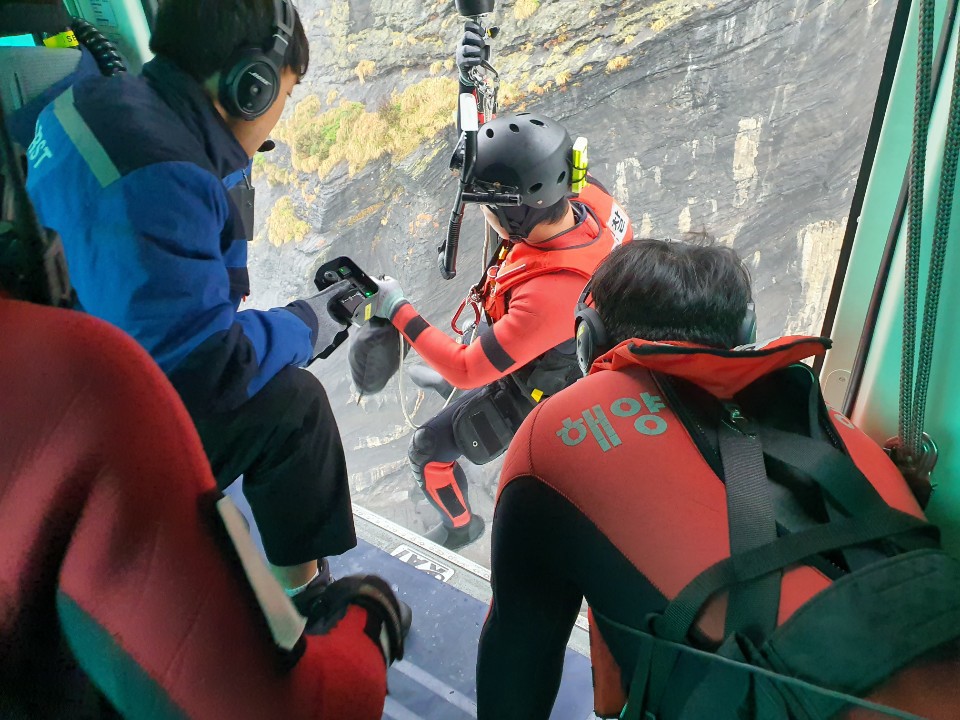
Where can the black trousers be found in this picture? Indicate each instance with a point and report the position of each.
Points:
(435, 450)
(285, 442)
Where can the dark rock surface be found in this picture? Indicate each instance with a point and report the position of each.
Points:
(745, 118)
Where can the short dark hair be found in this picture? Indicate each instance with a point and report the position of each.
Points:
(556, 212)
(660, 290)
(200, 36)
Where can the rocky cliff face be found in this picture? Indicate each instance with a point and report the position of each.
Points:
(744, 118)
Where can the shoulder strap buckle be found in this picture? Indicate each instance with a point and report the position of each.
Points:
(735, 419)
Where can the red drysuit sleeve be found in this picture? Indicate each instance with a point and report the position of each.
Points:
(109, 537)
(540, 316)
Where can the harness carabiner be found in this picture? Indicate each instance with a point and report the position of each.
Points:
(474, 300)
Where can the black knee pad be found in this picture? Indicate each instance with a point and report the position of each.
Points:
(422, 450)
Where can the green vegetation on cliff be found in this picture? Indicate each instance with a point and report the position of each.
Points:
(349, 133)
(284, 225)
(525, 8)
(274, 174)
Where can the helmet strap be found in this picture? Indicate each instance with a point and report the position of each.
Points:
(521, 220)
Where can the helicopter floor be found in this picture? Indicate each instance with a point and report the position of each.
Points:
(449, 596)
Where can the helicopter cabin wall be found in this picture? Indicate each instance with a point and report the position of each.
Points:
(123, 22)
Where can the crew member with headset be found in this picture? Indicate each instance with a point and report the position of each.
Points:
(128, 585)
(634, 487)
(551, 243)
(130, 171)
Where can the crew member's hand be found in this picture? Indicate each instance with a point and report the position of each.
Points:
(471, 51)
(389, 298)
(373, 595)
(315, 311)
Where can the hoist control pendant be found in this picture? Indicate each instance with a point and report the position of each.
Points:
(916, 470)
(474, 8)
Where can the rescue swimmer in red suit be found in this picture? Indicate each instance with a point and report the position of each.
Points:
(551, 244)
(611, 491)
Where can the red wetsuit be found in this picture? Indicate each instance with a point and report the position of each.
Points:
(605, 495)
(113, 566)
(530, 297)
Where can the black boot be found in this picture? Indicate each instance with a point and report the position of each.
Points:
(406, 618)
(455, 538)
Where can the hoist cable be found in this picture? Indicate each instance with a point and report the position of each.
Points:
(400, 394)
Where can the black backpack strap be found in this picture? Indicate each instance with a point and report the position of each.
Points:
(651, 675)
(753, 604)
(752, 607)
(680, 615)
(839, 478)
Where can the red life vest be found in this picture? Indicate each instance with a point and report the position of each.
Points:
(649, 488)
(605, 228)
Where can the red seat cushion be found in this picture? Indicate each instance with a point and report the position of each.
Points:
(108, 533)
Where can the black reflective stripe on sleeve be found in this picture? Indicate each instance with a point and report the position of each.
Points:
(495, 353)
(415, 328)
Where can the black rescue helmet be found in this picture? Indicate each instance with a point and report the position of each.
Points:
(529, 152)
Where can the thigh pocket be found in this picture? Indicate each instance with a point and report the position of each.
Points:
(486, 423)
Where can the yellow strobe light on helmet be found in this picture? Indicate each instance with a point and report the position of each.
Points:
(580, 164)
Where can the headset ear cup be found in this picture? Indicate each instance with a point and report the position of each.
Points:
(748, 329)
(591, 337)
(584, 346)
(251, 85)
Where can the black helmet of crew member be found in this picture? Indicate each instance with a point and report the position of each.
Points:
(528, 154)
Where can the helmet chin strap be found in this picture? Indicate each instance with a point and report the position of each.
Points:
(519, 221)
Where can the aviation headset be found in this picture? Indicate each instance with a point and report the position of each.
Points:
(251, 82)
(593, 341)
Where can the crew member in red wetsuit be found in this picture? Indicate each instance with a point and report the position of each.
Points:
(614, 491)
(551, 244)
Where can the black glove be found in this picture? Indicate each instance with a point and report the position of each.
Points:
(326, 330)
(471, 51)
(373, 595)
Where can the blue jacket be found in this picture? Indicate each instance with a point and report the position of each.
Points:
(130, 171)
